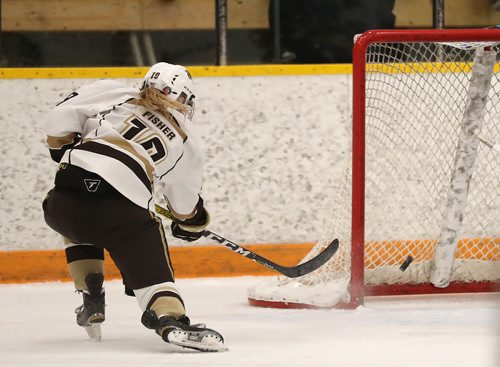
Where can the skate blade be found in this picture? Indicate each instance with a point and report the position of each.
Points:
(94, 332)
(205, 342)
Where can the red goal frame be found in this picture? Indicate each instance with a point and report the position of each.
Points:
(358, 290)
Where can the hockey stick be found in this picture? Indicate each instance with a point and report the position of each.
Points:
(289, 271)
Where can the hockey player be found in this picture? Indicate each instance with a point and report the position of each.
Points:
(115, 145)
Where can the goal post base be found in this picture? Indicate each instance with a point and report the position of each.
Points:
(298, 306)
(428, 288)
(385, 290)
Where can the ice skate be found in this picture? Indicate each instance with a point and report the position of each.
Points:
(180, 332)
(91, 314)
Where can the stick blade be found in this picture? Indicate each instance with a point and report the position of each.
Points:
(314, 263)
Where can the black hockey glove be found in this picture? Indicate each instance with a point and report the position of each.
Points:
(178, 232)
(191, 229)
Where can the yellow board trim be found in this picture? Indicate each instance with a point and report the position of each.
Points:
(424, 68)
(196, 71)
(227, 71)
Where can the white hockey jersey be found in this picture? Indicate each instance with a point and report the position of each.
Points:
(131, 147)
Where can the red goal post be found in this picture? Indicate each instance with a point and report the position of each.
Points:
(421, 99)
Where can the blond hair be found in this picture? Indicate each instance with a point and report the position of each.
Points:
(156, 101)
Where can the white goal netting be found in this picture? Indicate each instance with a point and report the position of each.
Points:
(432, 188)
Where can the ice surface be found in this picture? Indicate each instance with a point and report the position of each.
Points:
(38, 329)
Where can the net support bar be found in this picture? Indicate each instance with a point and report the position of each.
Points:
(482, 71)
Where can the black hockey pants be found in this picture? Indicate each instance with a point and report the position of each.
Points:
(133, 236)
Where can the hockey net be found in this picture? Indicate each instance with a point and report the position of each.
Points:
(421, 188)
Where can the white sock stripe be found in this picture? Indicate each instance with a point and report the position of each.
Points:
(144, 295)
